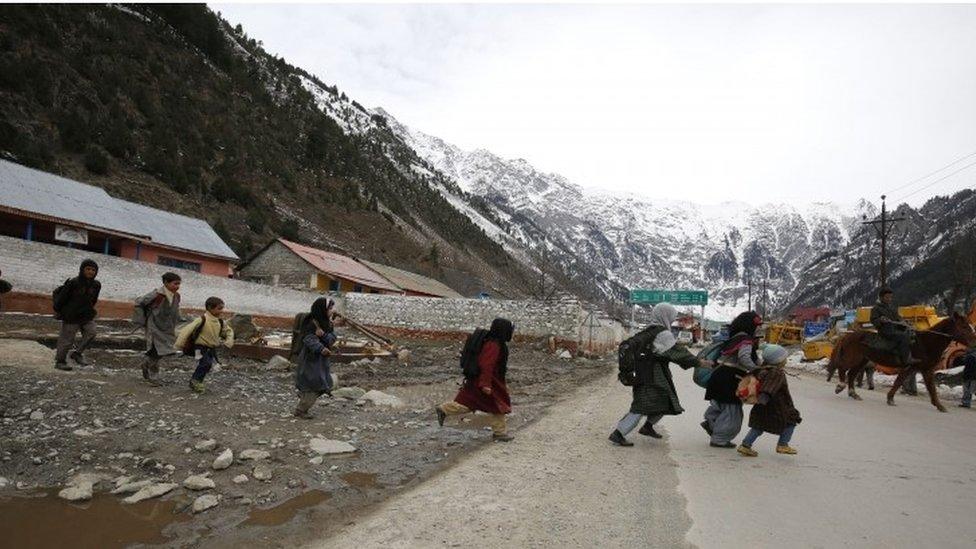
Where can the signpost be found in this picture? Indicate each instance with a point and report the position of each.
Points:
(674, 297)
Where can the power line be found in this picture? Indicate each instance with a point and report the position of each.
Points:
(943, 178)
(924, 177)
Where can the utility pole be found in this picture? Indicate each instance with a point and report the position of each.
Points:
(882, 227)
(749, 284)
(764, 311)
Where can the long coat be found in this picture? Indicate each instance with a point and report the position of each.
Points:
(162, 317)
(314, 371)
(491, 375)
(654, 393)
(779, 412)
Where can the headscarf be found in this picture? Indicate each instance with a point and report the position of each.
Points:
(664, 314)
(318, 317)
(501, 331)
(743, 327)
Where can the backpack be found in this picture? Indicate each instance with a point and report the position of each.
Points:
(712, 352)
(58, 295)
(140, 313)
(191, 342)
(748, 390)
(629, 353)
(296, 337)
(469, 353)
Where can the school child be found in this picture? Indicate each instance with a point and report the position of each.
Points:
(774, 412)
(201, 337)
(74, 305)
(159, 312)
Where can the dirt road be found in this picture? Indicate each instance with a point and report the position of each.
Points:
(559, 484)
(867, 475)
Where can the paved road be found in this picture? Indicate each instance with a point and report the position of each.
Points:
(867, 476)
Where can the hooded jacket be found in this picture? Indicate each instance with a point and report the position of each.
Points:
(76, 303)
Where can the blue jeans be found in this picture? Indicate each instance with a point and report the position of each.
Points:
(208, 355)
(784, 437)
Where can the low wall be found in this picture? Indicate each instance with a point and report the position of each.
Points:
(447, 316)
(35, 268)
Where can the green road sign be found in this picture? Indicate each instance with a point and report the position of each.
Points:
(674, 297)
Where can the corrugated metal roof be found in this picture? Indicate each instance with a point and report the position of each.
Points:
(51, 195)
(412, 281)
(341, 266)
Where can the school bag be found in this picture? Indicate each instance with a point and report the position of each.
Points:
(469, 353)
(702, 374)
(296, 337)
(748, 390)
(190, 345)
(140, 313)
(60, 293)
(629, 353)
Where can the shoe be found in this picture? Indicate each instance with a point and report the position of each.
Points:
(440, 415)
(145, 371)
(617, 438)
(749, 452)
(302, 415)
(502, 438)
(786, 450)
(706, 427)
(721, 445)
(76, 356)
(198, 387)
(648, 431)
(63, 366)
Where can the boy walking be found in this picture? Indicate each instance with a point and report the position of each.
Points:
(159, 312)
(74, 305)
(201, 337)
(4, 288)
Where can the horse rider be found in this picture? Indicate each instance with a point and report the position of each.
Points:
(891, 326)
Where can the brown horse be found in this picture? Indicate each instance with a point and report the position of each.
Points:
(851, 354)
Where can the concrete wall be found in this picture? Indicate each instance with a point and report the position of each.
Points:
(438, 315)
(37, 268)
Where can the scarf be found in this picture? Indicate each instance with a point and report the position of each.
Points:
(664, 315)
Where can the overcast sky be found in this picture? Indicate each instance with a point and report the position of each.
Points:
(704, 103)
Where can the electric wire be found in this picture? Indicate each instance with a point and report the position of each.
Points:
(926, 176)
(943, 178)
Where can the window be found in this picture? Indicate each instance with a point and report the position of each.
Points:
(334, 286)
(179, 263)
(357, 288)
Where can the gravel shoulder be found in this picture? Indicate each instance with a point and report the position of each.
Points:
(560, 483)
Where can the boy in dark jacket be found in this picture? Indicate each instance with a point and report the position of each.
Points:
(4, 288)
(74, 306)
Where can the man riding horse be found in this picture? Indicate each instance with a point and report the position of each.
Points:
(891, 326)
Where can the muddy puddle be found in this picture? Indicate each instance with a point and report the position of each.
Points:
(280, 514)
(363, 481)
(102, 523)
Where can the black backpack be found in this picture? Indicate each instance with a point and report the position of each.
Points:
(59, 295)
(470, 352)
(629, 353)
(191, 342)
(296, 337)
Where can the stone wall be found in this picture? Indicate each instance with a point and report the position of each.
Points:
(38, 268)
(421, 314)
(278, 261)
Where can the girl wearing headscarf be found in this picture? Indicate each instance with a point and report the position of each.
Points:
(313, 375)
(488, 392)
(654, 393)
(774, 412)
(723, 418)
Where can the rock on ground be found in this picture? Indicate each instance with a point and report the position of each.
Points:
(240, 479)
(198, 482)
(279, 362)
(351, 393)
(224, 460)
(205, 445)
(131, 487)
(244, 327)
(255, 455)
(262, 472)
(26, 354)
(205, 502)
(380, 398)
(151, 491)
(82, 491)
(324, 446)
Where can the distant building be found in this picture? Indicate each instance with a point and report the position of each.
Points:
(802, 315)
(44, 207)
(286, 263)
(413, 283)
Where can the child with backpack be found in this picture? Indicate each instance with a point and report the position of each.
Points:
(643, 361)
(738, 357)
(159, 313)
(774, 411)
(485, 389)
(74, 305)
(317, 338)
(201, 337)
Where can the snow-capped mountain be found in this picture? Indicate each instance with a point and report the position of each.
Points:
(635, 241)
